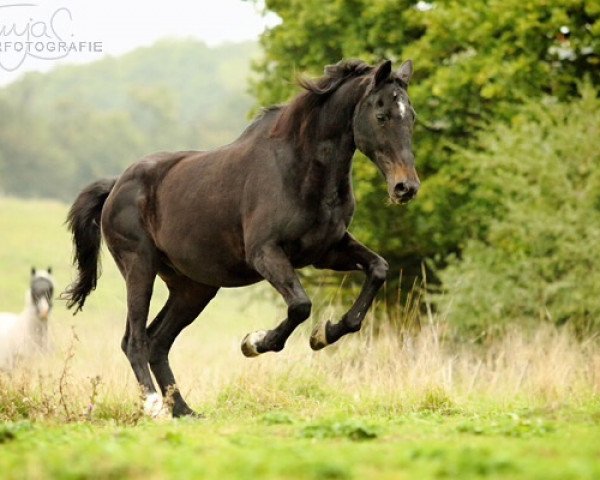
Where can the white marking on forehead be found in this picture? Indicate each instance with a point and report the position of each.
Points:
(402, 107)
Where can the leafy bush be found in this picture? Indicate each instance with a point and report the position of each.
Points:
(538, 183)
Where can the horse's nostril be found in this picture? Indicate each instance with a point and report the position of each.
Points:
(401, 189)
(406, 190)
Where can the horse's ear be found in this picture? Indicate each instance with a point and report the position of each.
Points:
(382, 73)
(405, 72)
(33, 271)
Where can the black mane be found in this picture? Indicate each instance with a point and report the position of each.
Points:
(295, 117)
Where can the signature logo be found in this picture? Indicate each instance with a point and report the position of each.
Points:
(28, 31)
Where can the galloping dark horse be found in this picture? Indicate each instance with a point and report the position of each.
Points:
(276, 199)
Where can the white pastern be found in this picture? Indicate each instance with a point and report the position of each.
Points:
(154, 406)
(254, 338)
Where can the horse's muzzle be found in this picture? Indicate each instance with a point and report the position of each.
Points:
(405, 191)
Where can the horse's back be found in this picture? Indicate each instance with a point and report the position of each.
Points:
(133, 195)
(151, 169)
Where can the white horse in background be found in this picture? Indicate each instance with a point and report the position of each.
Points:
(26, 334)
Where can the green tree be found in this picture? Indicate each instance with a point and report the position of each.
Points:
(476, 62)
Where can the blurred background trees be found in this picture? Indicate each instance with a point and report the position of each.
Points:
(60, 130)
(506, 94)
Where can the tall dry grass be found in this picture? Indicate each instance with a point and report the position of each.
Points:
(88, 378)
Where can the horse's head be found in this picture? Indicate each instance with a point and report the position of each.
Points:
(42, 291)
(383, 129)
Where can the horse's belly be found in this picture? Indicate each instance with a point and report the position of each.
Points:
(206, 248)
(211, 262)
(220, 274)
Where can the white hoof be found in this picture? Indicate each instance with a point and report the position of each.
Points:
(250, 341)
(154, 407)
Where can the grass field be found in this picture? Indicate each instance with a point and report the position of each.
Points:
(373, 407)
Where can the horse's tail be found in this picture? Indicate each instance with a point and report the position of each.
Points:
(84, 223)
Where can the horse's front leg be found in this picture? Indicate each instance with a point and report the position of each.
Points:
(348, 255)
(271, 262)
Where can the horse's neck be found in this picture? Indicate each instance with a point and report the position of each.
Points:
(329, 159)
(31, 324)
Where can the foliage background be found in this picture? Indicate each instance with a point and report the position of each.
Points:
(507, 220)
(506, 141)
(476, 63)
(537, 261)
(61, 130)
(504, 146)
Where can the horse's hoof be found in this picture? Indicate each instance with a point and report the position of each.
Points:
(155, 408)
(250, 341)
(318, 338)
(186, 412)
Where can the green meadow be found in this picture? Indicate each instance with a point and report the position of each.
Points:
(376, 406)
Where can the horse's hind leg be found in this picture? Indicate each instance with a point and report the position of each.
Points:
(186, 300)
(139, 273)
(135, 253)
(275, 267)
